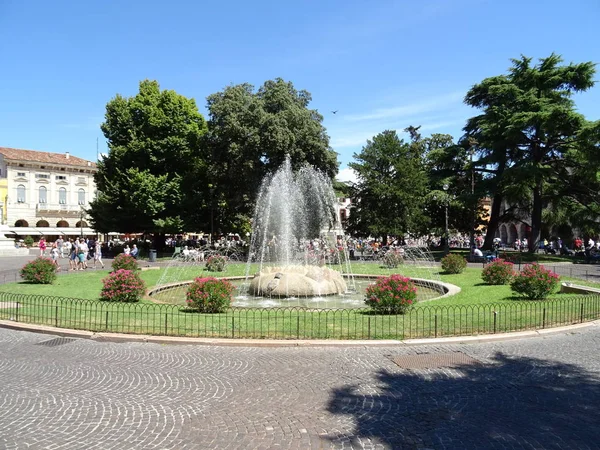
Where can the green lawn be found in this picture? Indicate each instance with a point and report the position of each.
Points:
(477, 309)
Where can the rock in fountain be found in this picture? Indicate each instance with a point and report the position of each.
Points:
(297, 281)
(292, 208)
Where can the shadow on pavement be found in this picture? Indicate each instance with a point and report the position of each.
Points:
(508, 403)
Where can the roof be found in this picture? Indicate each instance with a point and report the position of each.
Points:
(45, 157)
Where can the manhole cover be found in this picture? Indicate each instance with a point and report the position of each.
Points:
(434, 360)
(56, 342)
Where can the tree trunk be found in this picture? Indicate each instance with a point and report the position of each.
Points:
(488, 244)
(536, 218)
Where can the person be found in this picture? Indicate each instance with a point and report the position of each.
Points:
(134, 251)
(42, 245)
(54, 253)
(73, 258)
(127, 250)
(82, 251)
(59, 245)
(98, 254)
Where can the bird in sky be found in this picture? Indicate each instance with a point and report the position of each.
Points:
(334, 112)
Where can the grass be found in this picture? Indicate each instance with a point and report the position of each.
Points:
(477, 309)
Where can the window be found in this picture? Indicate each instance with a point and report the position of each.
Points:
(62, 196)
(20, 174)
(81, 196)
(42, 196)
(61, 177)
(42, 175)
(20, 193)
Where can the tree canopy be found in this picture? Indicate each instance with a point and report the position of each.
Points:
(527, 129)
(250, 134)
(389, 195)
(154, 141)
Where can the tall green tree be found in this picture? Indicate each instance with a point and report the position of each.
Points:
(529, 124)
(155, 153)
(250, 133)
(389, 195)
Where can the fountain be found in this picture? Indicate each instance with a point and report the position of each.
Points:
(293, 245)
(293, 210)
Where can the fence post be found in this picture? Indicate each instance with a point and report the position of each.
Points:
(106, 323)
(544, 318)
(232, 326)
(581, 313)
(166, 324)
(495, 316)
(17, 312)
(56, 316)
(435, 325)
(298, 326)
(369, 332)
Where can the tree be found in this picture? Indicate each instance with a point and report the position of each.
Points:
(250, 133)
(144, 183)
(528, 125)
(389, 195)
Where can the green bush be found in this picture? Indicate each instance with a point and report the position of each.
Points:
(122, 286)
(391, 295)
(28, 241)
(216, 263)
(453, 263)
(39, 271)
(126, 262)
(535, 282)
(392, 259)
(209, 295)
(498, 272)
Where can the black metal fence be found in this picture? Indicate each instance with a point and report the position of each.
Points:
(297, 323)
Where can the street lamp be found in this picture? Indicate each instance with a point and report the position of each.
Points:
(81, 222)
(447, 243)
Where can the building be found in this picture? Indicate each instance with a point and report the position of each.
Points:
(45, 193)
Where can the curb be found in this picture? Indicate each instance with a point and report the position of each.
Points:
(174, 340)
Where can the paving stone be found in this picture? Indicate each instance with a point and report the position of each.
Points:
(536, 393)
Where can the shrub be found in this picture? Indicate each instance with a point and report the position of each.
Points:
(498, 272)
(39, 271)
(209, 295)
(392, 259)
(28, 241)
(125, 262)
(453, 263)
(535, 282)
(122, 286)
(216, 263)
(391, 295)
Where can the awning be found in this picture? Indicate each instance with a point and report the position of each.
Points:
(77, 231)
(51, 231)
(24, 231)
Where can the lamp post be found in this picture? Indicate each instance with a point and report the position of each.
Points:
(447, 241)
(81, 222)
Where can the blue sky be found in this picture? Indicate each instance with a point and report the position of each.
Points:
(382, 65)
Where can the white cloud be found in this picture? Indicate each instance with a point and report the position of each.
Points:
(413, 109)
(347, 174)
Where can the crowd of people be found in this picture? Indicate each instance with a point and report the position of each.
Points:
(78, 251)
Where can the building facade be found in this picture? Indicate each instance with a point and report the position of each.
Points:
(45, 193)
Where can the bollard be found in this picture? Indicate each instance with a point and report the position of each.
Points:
(436, 325)
(495, 316)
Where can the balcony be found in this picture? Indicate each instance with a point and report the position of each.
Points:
(49, 208)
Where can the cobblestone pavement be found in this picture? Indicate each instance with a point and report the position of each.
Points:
(84, 394)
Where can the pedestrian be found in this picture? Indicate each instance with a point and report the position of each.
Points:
(98, 254)
(42, 245)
